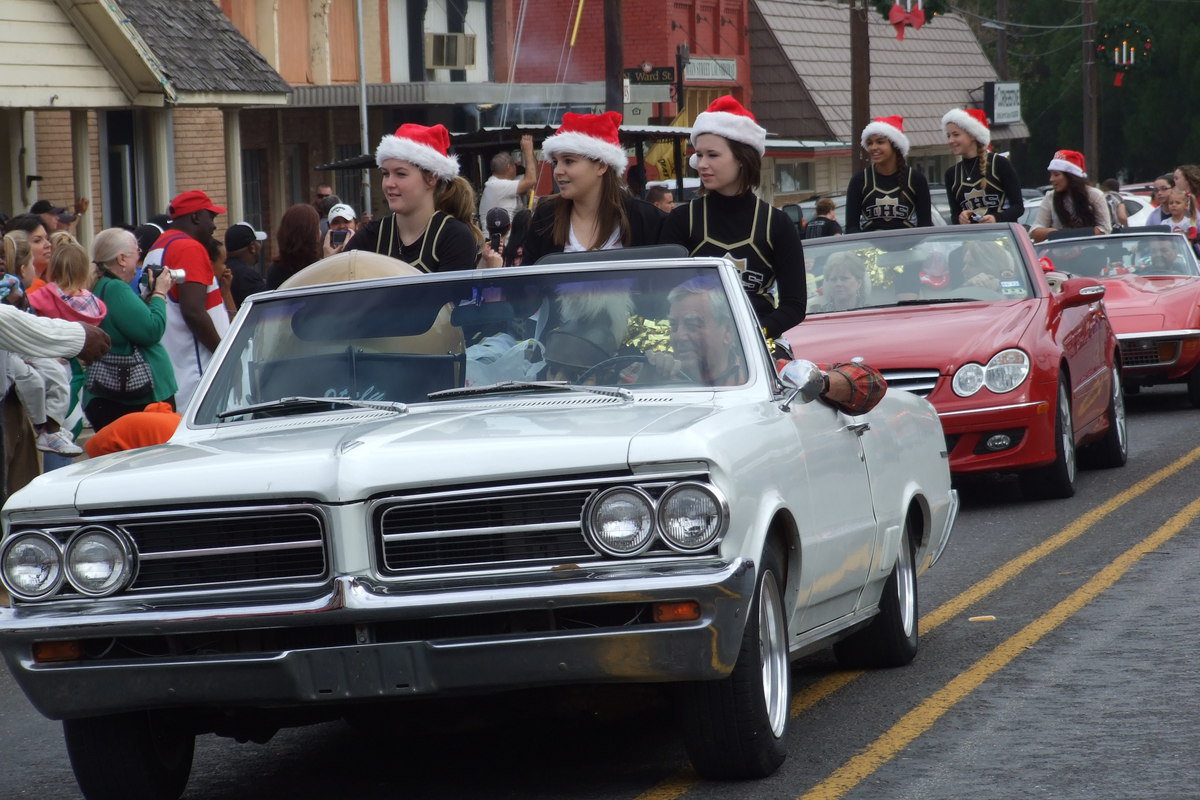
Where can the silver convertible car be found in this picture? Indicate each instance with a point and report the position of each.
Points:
(422, 485)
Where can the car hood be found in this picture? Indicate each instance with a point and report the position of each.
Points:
(1138, 304)
(359, 454)
(941, 336)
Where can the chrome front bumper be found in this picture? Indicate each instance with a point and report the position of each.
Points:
(372, 669)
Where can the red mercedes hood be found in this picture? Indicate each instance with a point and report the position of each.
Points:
(941, 336)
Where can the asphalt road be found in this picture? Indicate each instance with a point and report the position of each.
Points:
(1056, 662)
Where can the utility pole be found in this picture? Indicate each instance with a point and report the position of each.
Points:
(614, 83)
(860, 80)
(1091, 116)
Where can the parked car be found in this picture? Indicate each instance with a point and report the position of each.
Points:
(1152, 293)
(1137, 207)
(373, 497)
(1022, 372)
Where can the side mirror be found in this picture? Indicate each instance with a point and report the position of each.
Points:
(805, 380)
(1079, 292)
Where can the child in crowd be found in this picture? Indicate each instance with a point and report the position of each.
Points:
(1182, 217)
(42, 384)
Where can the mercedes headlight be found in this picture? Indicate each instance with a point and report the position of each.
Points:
(99, 561)
(32, 565)
(968, 380)
(1006, 370)
(621, 521)
(691, 517)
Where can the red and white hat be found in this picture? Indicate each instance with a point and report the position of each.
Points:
(729, 118)
(426, 146)
(890, 127)
(1068, 161)
(973, 122)
(592, 136)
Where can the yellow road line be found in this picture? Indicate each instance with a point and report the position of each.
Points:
(677, 785)
(922, 718)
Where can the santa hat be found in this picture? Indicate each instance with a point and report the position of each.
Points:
(1068, 161)
(973, 122)
(593, 136)
(891, 128)
(427, 147)
(729, 118)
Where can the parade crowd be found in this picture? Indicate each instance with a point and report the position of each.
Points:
(120, 337)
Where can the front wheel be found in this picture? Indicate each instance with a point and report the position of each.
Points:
(139, 756)
(891, 638)
(1113, 449)
(735, 728)
(1058, 479)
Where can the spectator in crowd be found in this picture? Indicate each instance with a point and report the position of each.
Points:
(35, 337)
(343, 223)
(1182, 212)
(504, 189)
(889, 194)
(216, 255)
(154, 424)
(322, 191)
(1163, 185)
(514, 243)
(982, 186)
(419, 175)
(196, 316)
(592, 210)
(1187, 179)
(729, 219)
(324, 206)
(1117, 212)
(824, 222)
(243, 248)
(661, 198)
(297, 244)
(39, 245)
(131, 323)
(59, 218)
(1071, 202)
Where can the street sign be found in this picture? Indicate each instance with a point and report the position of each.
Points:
(653, 75)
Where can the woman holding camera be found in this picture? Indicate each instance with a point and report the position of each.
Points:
(133, 325)
(982, 186)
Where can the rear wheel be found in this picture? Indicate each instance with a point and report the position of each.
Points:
(1193, 387)
(1058, 479)
(1113, 449)
(891, 638)
(139, 756)
(736, 727)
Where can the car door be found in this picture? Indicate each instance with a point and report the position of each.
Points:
(838, 529)
(1084, 341)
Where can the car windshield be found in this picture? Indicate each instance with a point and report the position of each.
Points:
(401, 341)
(1166, 254)
(962, 264)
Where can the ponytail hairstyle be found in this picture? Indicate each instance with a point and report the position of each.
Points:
(456, 198)
(17, 254)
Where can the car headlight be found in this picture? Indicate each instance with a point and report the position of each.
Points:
(691, 516)
(621, 521)
(32, 565)
(1006, 370)
(99, 561)
(968, 380)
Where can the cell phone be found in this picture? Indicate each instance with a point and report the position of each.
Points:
(495, 242)
(338, 238)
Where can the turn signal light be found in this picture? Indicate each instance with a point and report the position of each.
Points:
(57, 651)
(686, 611)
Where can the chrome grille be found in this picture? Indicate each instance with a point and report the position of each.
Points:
(487, 528)
(188, 550)
(918, 381)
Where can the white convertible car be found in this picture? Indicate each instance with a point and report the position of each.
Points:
(427, 484)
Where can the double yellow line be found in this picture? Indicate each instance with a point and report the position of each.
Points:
(921, 718)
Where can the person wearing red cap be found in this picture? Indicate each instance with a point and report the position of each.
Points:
(888, 194)
(196, 316)
(592, 210)
(1071, 202)
(982, 187)
(729, 219)
(419, 178)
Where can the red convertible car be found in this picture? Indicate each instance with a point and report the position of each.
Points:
(1152, 293)
(1022, 366)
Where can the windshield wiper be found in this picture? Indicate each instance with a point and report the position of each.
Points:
(529, 386)
(931, 301)
(302, 403)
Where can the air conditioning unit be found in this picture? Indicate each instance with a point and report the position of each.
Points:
(449, 51)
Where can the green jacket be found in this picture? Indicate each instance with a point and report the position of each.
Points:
(131, 322)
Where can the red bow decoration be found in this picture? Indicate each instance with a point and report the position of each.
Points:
(1191, 234)
(899, 18)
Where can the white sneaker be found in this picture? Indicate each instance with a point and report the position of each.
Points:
(58, 442)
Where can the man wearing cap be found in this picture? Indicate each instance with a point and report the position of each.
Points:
(57, 218)
(340, 218)
(503, 189)
(242, 248)
(196, 315)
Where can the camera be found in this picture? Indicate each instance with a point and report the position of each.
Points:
(976, 216)
(153, 270)
(338, 238)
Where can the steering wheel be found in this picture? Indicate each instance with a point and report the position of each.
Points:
(611, 363)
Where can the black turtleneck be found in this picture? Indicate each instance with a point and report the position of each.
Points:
(763, 241)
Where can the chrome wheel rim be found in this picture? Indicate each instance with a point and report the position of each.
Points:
(773, 654)
(1118, 400)
(906, 588)
(1068, 432)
